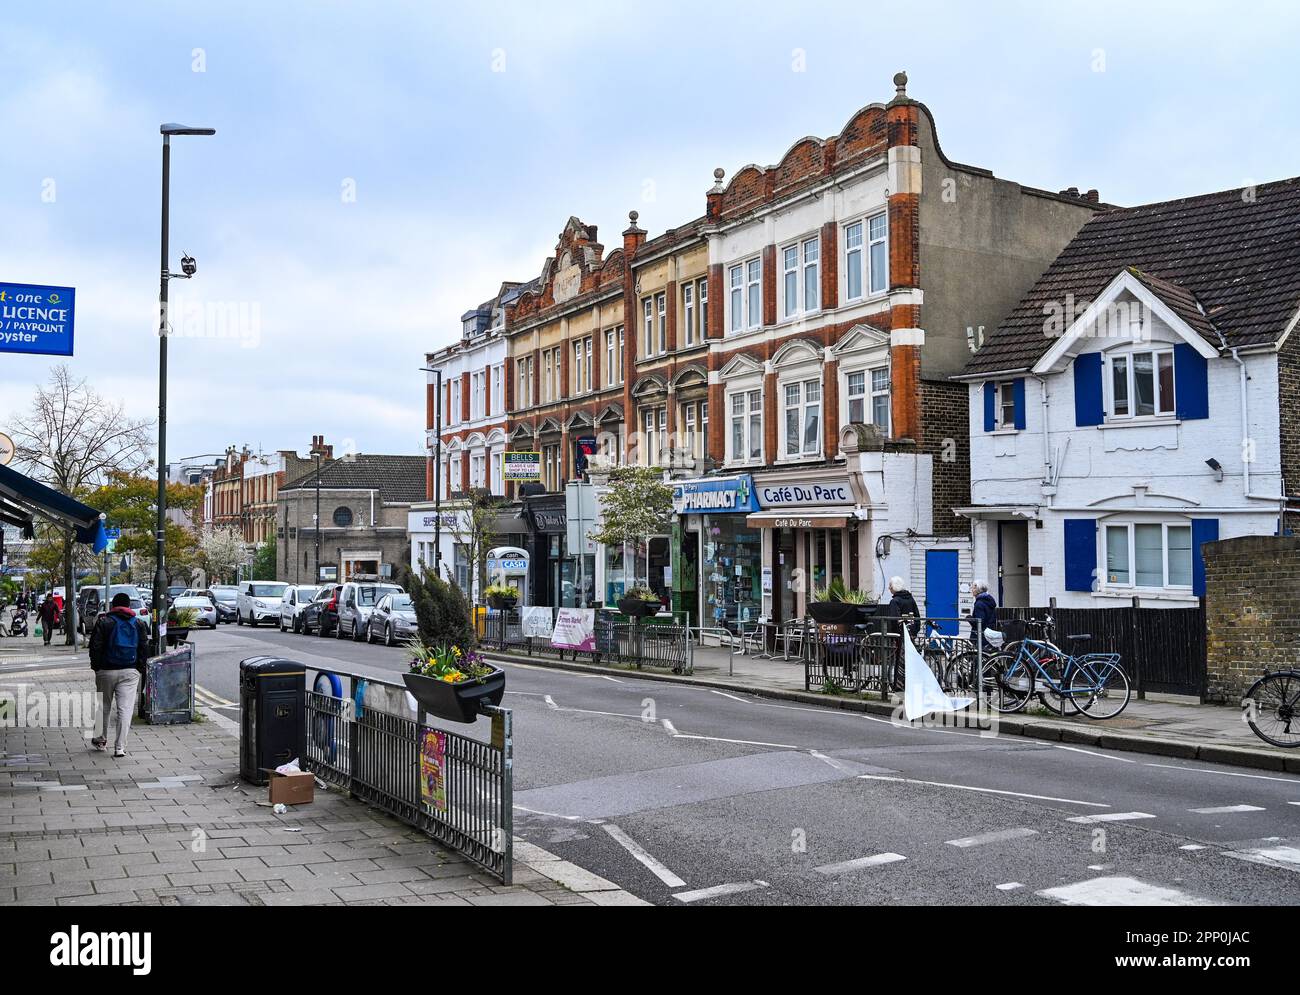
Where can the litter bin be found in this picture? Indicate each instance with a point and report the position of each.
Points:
(273, 723)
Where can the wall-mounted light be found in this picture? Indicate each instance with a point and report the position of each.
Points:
(1216, 466)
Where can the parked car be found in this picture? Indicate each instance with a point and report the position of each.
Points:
(393, 619)
(259, 601)
(320, 615)
(205, 607)
(175, 591)
(355, 603)
(91, 601)
(292, 602)
(225, 599)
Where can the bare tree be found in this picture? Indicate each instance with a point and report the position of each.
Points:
(70, 439)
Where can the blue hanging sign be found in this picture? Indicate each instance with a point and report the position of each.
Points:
(35, 319)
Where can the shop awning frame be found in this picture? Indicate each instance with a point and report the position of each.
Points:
(22, 497)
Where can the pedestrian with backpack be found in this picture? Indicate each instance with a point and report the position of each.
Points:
(119, 648)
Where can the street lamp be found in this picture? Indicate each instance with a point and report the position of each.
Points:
(437, 472)
(188, 269)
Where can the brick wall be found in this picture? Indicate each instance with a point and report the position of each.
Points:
(946, 417)
(1252, 611)
(1288, 376)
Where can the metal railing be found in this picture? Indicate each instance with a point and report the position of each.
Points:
(455, 788)
(646, 643)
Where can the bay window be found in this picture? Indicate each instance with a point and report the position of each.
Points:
(1142, 384)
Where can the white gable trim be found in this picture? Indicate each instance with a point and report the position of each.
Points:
(861, 338)
(1058, 356)
(740, 366)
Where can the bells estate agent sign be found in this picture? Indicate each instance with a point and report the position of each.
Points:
(36, 320)
(522, 466)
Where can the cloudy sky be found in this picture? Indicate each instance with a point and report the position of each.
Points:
(380, 167)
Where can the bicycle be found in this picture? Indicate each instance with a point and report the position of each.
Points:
(1273, 703)
(1091, 684)
(952, 659)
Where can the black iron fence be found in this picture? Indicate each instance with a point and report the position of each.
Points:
(1161, 649)
(643, 643)
(455, 788)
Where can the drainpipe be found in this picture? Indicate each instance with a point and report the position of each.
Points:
(1047, 449)
(1245, 422)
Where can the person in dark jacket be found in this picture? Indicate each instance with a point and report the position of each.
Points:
(985, 609)
(119, 649)
(901, 605)
(49, 613)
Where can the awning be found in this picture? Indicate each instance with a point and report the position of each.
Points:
(786, 520)
(21, 497)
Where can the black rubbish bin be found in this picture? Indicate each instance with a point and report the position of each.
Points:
(273, 722)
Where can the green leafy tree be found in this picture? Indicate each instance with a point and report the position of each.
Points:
(129, 502)
(476, 532)
(264, 561)
(637, 505)
(442, 611)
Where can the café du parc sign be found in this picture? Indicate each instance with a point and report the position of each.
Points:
(35, 319)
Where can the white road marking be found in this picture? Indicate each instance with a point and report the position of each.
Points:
(1009, 886)
(845, 867)
(1104, 756)
(606, 677)
(1273, 856)
(531, 694)
(717, 890)
(1226, 809)
(827, 760)
(731, 696)
(996, 837)
(669, 727)
(1120, 891)
(550, 702)
(551, 815)
(1225, 773)
(639, 853)
(1110, 817)
(741, 742)
(1191, 846)
(990, 791)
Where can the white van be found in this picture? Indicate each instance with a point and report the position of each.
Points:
(259, 601)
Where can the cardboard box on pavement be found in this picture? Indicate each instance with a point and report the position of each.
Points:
(298, 788)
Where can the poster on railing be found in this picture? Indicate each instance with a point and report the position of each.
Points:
(575, 629)
(535, 621)
(433, 758)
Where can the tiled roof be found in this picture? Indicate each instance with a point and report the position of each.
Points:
(1236, 253)
(397, 478)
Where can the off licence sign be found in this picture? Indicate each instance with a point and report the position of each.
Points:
(36, 319)
(522, 466)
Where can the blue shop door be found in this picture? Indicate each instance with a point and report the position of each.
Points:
(941, 588)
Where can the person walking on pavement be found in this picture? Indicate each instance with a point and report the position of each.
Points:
(985, 610)
(49, 613)
(119, 648)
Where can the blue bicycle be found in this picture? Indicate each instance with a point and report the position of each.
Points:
(1091, 684)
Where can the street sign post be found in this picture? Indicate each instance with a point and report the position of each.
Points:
(35, 319)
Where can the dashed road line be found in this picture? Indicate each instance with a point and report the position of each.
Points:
(996, 837)
(640, 854)
(1110, 817)
(1009, 886)
(1225, 773)
(1273, 856)
(848, 866)
(718, 890)
(740, 742)
(1226, 809)
(1093, 753)
(1120, 891)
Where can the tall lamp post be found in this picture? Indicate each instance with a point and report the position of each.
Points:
(437, 471)
(188, 269)
(319, 576)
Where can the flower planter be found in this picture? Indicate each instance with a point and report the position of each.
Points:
(636, 608)
(834, 612)
(502, 602)
(176, 636)
(456, 702)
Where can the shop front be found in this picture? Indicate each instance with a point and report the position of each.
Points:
(813, 526)
(726, 573)
(557, 577)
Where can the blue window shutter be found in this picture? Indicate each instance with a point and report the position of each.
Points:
(1191, 383)
(1018, 391)
(1080, 553)
(1203, 530)
(1087, 389)
(990, 401)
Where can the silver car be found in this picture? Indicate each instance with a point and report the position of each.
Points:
(392, 620)
(203, 607)
(292, 602)
(356, 602)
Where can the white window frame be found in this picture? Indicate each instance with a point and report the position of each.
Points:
(661, 312)
(498, 481)
(1005, 401)
(751, 420)
(702, 298)
(688, 312)
(799, 275)
(647, 326)
(1131, 528)
(498, 389)
(1130, 384)
(802, 405)
(745, 316)
(873, 280)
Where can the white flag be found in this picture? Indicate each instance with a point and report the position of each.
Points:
(922, 693)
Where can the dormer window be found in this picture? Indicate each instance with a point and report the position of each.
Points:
(1142, 384)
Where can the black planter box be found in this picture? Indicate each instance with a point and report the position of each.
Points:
(636, 608)
(176, 636)
(834, 612)
(501, 601)
(456, 702)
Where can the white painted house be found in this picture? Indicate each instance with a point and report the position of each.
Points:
(1139, 402)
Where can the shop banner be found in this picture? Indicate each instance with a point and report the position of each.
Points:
(575, 629)
(823, 493)
(535, 621)
(716, 495)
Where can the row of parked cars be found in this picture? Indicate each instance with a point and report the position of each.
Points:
(360, 610)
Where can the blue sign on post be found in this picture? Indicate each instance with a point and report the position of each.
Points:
(113, 533)
(36, 319)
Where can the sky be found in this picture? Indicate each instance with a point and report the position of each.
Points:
(380, 167)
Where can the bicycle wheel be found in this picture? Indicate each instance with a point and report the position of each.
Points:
(1100, 691)
(1056, 694)
(1007, 683)
(1273, 708)
(959, 675)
